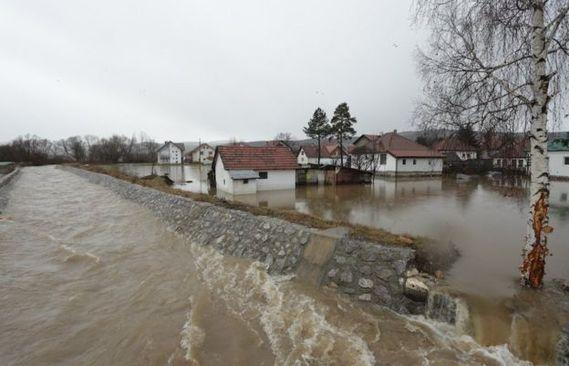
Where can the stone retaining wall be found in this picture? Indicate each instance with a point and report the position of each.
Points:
(5, 181)
(366, 270)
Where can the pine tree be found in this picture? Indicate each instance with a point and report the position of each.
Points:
(318, 128)
(343, 126)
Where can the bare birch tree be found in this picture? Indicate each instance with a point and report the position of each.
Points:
(500, 64)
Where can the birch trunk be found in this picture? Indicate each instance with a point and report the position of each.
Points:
(535, 251)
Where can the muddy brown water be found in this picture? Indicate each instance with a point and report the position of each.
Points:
(89, 278)
(484, 217)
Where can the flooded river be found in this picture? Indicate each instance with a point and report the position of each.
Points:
(484, 217)
(87, 278)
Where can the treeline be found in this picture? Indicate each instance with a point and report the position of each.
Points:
(35, 150)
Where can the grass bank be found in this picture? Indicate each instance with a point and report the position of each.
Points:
(357, 231)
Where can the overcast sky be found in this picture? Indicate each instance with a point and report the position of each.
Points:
(187, 69)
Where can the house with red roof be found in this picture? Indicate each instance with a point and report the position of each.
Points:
(243, 169)
(329, 154)
(452, 146)
(391, 154)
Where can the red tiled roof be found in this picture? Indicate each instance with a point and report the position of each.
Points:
(330, 150)
(399, 146)
(257, 158)
(452, 144)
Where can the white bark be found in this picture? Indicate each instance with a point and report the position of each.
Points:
(539, 169)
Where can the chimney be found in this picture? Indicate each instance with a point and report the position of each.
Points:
(395, 131)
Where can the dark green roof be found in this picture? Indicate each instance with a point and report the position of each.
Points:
(558, 145)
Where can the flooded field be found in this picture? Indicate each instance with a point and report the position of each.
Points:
(89, 278)
(484, 217)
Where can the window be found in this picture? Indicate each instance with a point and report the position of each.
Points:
(382, 159)
(520, 163)
(567, 160)
(414, 161)
(245, 181)
(263, 175)
(563, 197)
(404, 161)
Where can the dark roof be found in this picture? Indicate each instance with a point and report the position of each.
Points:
(257, 158)
(453, 144)
(517, 147)
(180, 145)
(558, 145)
(398, 146)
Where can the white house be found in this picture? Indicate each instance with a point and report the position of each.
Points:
(452, 145)
(559, 158)
(201, 154)
(511, 154)
(301, 157)
(170, 153)
(329, 153)
(391, 154)
(242, 169)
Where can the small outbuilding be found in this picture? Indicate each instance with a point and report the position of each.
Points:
(247, 169)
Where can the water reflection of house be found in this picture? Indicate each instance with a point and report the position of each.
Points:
(394, 155)
(203, 154)
(392, 189)
(559, 194)
(248, 170)
(559, 157)
(284, 199)
(170, 153)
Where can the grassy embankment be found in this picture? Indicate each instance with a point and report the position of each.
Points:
(357, 231)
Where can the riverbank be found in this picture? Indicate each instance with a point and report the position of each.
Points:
(357, 231)
(350, 272)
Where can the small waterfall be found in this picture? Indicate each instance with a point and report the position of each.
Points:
(444, 307)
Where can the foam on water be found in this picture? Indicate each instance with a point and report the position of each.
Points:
(295, 324)
(192, 336)
(448, 337)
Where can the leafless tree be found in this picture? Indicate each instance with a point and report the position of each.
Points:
(74, 148)
(284, 136)
(494, 64)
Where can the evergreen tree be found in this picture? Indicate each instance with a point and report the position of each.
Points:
(318, 128)
(343, 126)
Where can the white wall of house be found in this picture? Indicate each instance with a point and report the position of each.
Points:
(511, 163)
(276, 180)
(559, 163)
(170, 154)
(464, 155)
(419, 166)
(301, 158)
(203, 155)
(223, 181)
(244, 186)
(325, 161)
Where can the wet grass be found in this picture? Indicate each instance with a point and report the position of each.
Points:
(357, 231)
